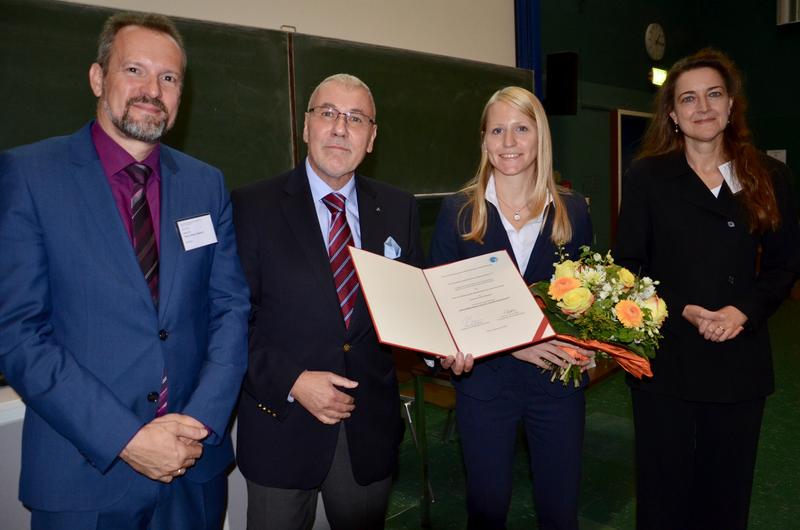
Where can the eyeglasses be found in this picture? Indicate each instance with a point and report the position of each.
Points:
(331, 114)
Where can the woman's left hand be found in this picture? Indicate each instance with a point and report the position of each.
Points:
(717, 326)
(555, 353)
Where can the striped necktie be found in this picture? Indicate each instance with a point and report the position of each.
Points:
(144, 245)
(339, 238)
(144, 237)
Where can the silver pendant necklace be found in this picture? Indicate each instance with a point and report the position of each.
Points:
(517, 211)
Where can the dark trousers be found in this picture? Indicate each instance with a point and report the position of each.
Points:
(694, 462)
(348, 504)
(149, 505)
(554, 430)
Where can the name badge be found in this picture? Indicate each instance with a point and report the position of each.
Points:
(196, 232)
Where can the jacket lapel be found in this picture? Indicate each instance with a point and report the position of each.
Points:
(91, 183)
(301, 217)
(543, 248)
(370, 217)
(372, 224)
(693, 190)
(496, 237)
(170, 246)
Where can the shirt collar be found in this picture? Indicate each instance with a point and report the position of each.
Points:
(729, 174)
(114, 158)
(320, 188)
(491, 195)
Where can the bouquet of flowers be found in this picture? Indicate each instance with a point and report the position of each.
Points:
(598, 305)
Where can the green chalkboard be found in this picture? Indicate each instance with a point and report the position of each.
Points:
(236, 112)
(428, 105)
(235, 108)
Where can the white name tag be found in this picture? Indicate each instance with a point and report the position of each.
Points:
(196, 232)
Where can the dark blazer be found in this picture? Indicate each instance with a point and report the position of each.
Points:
(80, 338)
(296, 325)
(487, 376)
(673, 229)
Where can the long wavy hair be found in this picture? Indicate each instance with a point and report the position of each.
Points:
(757, 195)
(543, 181)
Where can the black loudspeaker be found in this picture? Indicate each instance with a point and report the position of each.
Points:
(561, 87)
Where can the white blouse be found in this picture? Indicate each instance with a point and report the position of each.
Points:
(522, 241)
(729, 175)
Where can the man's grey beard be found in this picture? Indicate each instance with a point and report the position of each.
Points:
(146, 130)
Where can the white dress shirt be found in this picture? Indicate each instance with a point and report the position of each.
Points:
(522, 241)
(319, 189)
(729, 175)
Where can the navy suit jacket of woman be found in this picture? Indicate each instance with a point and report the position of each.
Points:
(487, 377)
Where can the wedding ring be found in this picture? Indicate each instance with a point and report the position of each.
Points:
(721, 329)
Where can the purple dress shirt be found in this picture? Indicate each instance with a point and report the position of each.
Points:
(114, 159)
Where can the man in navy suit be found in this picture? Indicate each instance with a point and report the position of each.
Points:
(123, 307)
(320, 409)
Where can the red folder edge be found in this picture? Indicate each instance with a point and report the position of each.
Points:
(538, 335)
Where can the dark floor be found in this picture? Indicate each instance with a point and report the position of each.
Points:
(607, 500)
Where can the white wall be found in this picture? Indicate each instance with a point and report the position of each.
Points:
(482, 30)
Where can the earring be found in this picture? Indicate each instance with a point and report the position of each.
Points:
(676, 128)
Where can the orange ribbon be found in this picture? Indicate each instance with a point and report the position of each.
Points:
(634, 364)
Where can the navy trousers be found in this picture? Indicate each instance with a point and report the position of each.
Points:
(554, 430)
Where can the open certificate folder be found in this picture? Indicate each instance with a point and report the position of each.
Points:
(479, 305)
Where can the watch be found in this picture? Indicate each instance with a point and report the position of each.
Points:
(655, 41)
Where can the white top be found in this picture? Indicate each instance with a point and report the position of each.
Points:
(729, 175)
(522, 241)
(319, 189)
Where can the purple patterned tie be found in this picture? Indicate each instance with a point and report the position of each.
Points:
(144, 237)
(144, 245)
(339, 238)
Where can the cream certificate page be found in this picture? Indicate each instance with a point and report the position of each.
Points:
(487, 305)
(480, 305)
(401, 304)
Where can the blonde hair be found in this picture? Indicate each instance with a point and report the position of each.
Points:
(543, 181)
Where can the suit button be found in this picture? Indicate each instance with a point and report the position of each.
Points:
(163, 334)
(152, 397)
(346, 347)
(730, 280)
(731, 224)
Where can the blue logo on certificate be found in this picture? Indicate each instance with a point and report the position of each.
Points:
(493, 259)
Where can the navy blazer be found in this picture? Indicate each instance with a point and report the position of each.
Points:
(673, 229)
(80, 338)
(297, 325)
(488, 375)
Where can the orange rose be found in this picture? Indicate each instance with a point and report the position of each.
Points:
(628, 313)
(562, 286)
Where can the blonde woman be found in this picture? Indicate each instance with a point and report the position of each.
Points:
(514, 204)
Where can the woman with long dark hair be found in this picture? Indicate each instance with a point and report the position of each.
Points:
(714, 220)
